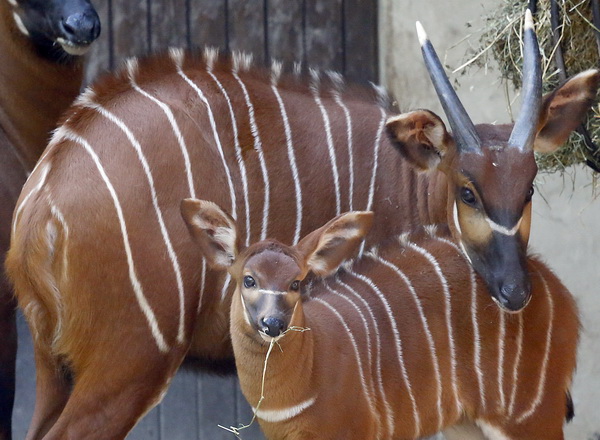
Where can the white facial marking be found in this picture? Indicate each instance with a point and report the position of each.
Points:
(20, 25)
(271, 292)
(71, 48)
(501, 229)
(280, 415)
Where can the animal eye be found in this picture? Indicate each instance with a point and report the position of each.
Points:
(295, 285)
(249, 282)
(529, 194)
(467, 196)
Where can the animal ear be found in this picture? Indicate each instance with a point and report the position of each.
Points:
(564, 109)
(325, 249)
(213, 230)
(420, 136)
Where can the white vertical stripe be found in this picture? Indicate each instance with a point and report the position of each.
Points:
(238, 152)
(225, 286)
(399, 349)
(376, 158)
(501, 339)
(137, 287)
(515, 373)
(330, 146)
(202, 286)
(388, 410)
(430, 341)
(213, 126)
(44, 173)
(180, 140)
(261, 156)
(163, 229)
(338, 99)
(369, 356)
(359, 363)
(292, 159)
(61, 219)
(448, 315)
(544, 367)
(475, 323)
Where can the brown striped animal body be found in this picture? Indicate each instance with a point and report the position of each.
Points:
(404, 342)
(38, 81)
(100, 257)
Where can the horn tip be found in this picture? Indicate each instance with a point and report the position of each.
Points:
(421, 33)
(528, 20)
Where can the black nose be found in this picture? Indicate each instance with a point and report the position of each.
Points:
(272, 326)
(81, 27)
(514, 296)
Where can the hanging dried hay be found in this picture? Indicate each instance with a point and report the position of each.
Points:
(502, 40)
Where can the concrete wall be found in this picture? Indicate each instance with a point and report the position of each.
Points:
(566, 220)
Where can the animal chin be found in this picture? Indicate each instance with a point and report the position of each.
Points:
(268, 338)
(505, 310)
(72, 48)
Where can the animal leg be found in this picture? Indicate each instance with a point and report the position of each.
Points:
(113, 392)
(52, 392)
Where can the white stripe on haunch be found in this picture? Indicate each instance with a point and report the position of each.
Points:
(163, 229)
(44, 173)
(137, 287)
(281, 415)
(292, 159)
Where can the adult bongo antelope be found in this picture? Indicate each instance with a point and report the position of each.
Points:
(99, 244)
(402, 343)
(40, 76)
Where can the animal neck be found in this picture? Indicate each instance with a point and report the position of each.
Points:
(292, 353)
(34, 91)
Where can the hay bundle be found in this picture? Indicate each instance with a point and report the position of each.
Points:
(577, 37)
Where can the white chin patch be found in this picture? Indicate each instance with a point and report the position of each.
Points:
(72, 49)
(20, 24)
(268, 338)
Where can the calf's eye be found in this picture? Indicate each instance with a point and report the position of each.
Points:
(249, 282)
